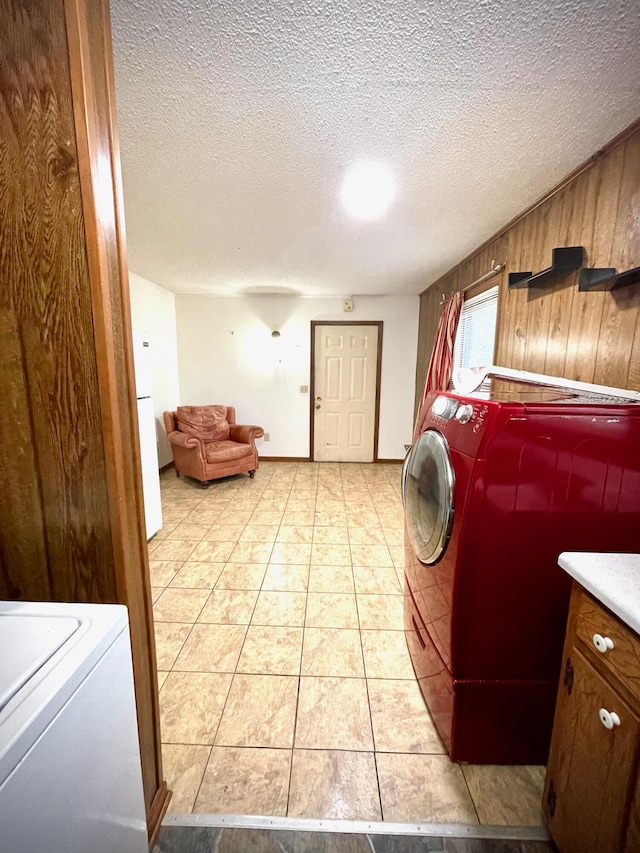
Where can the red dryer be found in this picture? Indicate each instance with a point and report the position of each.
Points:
(500, 483)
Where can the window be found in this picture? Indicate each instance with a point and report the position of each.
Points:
(475, 339)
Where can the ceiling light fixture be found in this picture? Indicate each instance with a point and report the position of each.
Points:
(367, 191)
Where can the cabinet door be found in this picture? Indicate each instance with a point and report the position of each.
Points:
(591, 768)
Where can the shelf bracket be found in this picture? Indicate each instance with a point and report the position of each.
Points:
(564, 260)
(607, 278)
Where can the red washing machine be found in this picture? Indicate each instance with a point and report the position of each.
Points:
(500, 482)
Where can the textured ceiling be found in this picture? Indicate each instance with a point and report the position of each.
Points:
(239, 118)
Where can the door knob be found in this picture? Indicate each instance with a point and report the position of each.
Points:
(317, 405)
(608, 719)
(318, 399)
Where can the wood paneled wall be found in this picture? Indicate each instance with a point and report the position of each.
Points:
(71, 513)
(591, 336)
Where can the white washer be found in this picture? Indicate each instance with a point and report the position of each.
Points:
(70, 773)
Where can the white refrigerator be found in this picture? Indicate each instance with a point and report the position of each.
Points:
(70, 772)
(147, 429)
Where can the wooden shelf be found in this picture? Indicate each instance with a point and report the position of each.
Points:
(607, 278)
(563, 260)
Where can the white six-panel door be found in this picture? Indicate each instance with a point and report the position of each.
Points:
(345, 393)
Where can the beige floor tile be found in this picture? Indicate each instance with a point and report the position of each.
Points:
(334, 785)
(251, 552)
(162, 572)
(208, 516)
(386, 655)
(173, 549)
(266, 516)
(211, 648)
(326, 518)
(394, 536)
(506, 796)
(331, 536)
(333, 713)
(170, 637)
(260, 711)
(179, 605)
(292, 553)
(331, 555)
(280, 608)
(245, 781)
(376, 580)
(183, 766)
(332, 651)
(295, 534)
(229, 606)
(382, 612)
(331, 579)
(391, 517)
(417, 788)
(371, 535)
(370, 555)
(191, 705)
(286, 578)
(259, 533)
(331, 610)
(362, 518)
(164, 531)
(298, 518)
(212, 552)
(198, 575)
(401, 722)
(269, 650)
(156, 592)
(223, 532)
(162, 677)
(187, 531)
(296, 503)
(174, 516)
(242, 576)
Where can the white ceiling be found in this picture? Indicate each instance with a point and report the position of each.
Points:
(239, 118)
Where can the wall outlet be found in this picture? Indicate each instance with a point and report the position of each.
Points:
(347, 304)
(267, 436)
(304, 389)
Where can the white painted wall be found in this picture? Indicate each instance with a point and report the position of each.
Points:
(227, 356)
(153, 310)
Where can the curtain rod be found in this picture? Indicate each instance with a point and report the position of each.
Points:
(495, 269)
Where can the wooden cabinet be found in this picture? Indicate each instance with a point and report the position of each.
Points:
(591, 798)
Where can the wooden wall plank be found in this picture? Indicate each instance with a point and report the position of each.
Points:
(592, 336)
(44, 281)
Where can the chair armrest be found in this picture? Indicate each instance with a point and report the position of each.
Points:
(181, 439)
(245, 434)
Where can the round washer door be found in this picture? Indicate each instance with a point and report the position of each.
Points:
(427, 494)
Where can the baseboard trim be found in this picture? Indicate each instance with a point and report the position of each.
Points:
(167, 467)
(284, 458)
(389, 461)
(157, 812)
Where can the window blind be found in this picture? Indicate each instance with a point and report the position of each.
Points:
(476, 335)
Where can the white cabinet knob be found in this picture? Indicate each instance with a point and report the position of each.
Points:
(602, 644)
(609, 719)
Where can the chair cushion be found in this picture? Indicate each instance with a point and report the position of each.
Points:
(206, 422)
(225, 451)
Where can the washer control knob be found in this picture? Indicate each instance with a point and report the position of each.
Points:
(608, 719)
(464, 413)
(602, 644)
(440, 406)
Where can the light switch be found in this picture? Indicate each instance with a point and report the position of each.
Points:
(347, 304)
(304, 389)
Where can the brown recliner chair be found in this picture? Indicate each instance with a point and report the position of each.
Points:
(207, 443)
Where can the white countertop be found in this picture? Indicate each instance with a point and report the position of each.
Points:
(614, 579)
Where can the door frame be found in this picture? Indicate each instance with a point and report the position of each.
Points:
(312, 391)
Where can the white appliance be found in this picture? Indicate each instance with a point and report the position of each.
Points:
(147, 429)
(70, 774)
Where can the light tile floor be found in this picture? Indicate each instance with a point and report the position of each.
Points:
(286, 685)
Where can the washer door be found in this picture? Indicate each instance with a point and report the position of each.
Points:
(427, 494)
